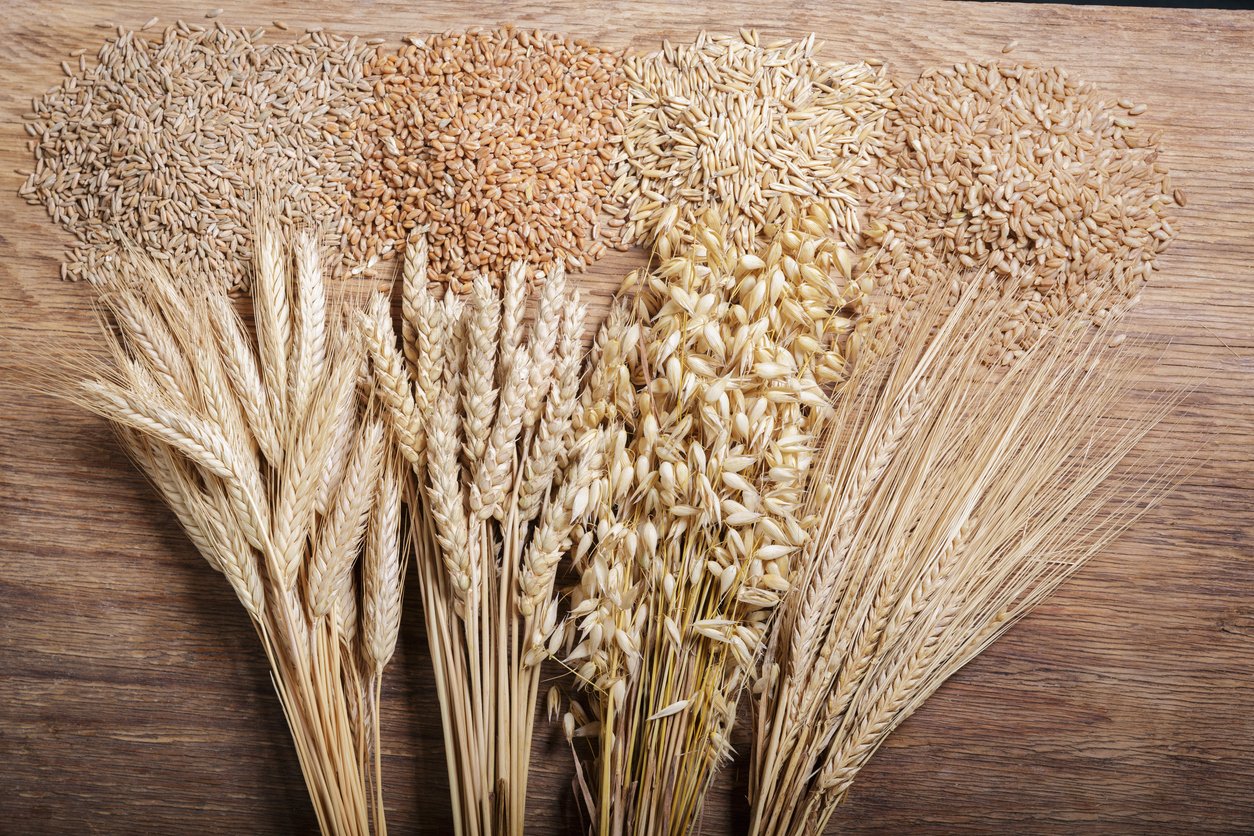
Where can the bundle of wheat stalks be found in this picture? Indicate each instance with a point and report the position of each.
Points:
(278, 466)
(482, 411)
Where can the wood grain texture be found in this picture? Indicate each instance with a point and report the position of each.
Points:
(134, 697)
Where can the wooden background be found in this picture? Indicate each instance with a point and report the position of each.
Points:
(134, 697)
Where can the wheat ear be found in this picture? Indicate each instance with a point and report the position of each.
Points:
(341, 532)
(479, 392)
(414, 295)
(544, 336)
(309, 322)
(383, 569)
(392, 379)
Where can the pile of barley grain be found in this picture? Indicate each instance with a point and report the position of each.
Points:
(498, 142)
(743, 127)
(1025, 172)
(164, 143)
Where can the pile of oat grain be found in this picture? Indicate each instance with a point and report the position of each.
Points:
(1028, 174)
(163, 141)
(751, 130)
(497, 143)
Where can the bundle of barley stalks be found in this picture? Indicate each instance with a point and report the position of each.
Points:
(948, 501)
(279, 468)
(481, 408)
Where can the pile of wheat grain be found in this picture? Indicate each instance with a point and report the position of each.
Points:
(497, 142)
(165, 142)
(1025, 172)
(736, 125)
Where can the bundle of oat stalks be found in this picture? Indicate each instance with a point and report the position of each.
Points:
(481, 408)
(279, 469)
(949, 499)
(707, 386)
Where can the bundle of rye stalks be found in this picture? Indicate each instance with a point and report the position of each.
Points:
(482, 411)
(280, 469)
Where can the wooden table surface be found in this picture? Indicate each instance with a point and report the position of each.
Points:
(133, 694)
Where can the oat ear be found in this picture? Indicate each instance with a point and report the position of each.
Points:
(696, 522)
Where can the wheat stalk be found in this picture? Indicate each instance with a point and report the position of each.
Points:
(276, 469)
